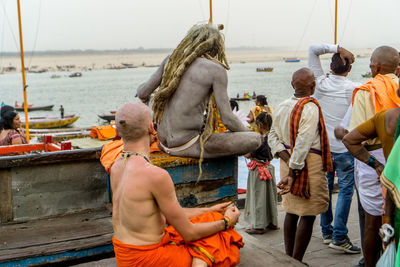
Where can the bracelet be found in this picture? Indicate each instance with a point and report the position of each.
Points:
(373, 163)
(228, 222)
(385, 219)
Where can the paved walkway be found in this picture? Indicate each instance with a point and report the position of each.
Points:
(268, 249)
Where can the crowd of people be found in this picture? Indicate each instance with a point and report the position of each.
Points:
(330, 127)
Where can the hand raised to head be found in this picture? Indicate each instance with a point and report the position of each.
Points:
(345, 54)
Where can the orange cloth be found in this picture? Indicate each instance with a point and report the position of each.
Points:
(382, 91)
(220, 249)
(112, 150)
(103, 132)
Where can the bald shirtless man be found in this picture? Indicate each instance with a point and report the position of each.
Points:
(187, 80)
(144, 200)
(370, 98)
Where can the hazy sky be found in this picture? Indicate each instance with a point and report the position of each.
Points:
(119, 24)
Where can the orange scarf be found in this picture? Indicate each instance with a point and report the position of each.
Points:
(382, 90)
(301, 186)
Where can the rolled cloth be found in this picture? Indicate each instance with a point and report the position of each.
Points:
(382, 89)
(301, 185)
(220, 249)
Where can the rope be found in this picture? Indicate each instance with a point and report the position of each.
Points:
(37, 33)
(347, 19)
(305, 29)
(9, 25)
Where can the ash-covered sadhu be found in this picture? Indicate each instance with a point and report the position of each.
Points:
(192, 81)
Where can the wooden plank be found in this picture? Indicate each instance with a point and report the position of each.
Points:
(213, 169)
(6, 202)
(50, 158)
(55, 235)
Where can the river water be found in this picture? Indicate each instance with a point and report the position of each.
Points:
(101, 91)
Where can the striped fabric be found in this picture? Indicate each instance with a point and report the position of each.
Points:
(301, 186)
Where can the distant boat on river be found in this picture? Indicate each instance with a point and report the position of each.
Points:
(75, 74)
(291, 59)
(267, 69)
(367, 75)
(33, 108)
(47, 122)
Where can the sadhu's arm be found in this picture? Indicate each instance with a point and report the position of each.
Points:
(146, 89)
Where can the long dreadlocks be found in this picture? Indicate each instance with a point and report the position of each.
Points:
(203, 40)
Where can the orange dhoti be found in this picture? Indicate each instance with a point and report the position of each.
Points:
(220, 249)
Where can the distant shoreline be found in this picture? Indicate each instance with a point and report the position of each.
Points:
(126, 58)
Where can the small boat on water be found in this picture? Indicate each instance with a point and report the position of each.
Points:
(291, 59)
(107, 117)
(75, 74)
(367, 75)
(55, 76)
(241, 98)
(47, 122)
(267, 69)
(33, 108)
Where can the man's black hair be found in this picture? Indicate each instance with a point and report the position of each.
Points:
(337, 64)
(7, 120)
(262, 100)
(264, 119)
(234, 105)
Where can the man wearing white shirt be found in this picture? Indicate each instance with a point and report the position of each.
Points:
(334, 93)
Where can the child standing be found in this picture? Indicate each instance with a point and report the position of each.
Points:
(261, 197)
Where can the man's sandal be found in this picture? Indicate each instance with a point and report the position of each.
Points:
(254, 231)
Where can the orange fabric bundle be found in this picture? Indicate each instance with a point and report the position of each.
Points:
(103, 132)
(220, 249)
(382, 90)
(113, 149)
(301, 186)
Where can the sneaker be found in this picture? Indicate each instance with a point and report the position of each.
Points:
(327, 238)
(345, 245)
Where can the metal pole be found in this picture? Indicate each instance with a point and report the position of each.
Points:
(23, 72)
(336, 11)
(211, 17)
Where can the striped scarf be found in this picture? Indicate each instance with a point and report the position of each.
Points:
(301, 186)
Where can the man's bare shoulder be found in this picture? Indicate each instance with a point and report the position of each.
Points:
(207, 63)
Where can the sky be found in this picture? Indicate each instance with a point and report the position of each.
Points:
(130, 24)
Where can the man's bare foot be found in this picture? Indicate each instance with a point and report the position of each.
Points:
(197, 262)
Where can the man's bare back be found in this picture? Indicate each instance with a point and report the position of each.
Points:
(137, 219)
(144, 196)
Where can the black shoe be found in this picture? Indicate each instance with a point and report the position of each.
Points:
(345, 245)
(327, 238)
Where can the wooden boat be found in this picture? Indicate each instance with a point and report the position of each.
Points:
(50, 122)
(33, 108)
(241, 98)
(107, 117)
(367, 75)
(75, 74)
(291, 59)
(267, 69)
(56, 206)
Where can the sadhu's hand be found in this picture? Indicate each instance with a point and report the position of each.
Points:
(221, 208)
(285, 185)
(233, 213)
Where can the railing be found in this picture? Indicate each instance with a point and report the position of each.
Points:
(47, 146)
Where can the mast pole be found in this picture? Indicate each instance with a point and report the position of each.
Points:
(211, 16)
(336, 11)
(23, 71)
